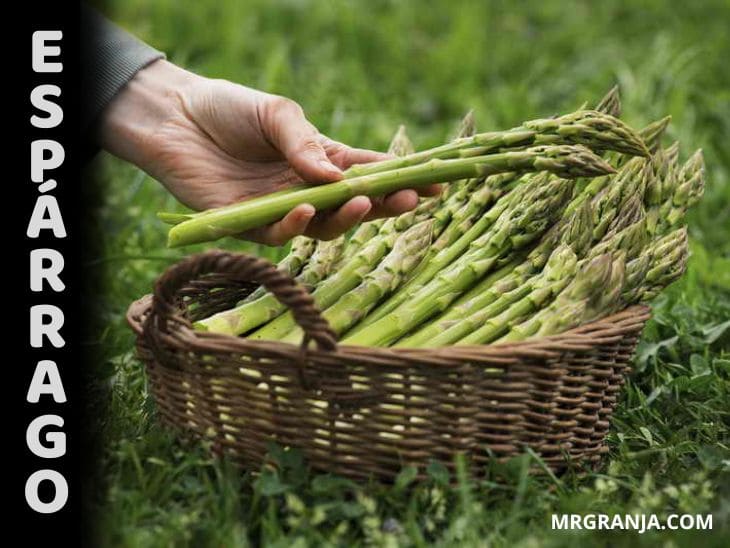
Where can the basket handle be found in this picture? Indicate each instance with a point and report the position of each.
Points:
(240, 267)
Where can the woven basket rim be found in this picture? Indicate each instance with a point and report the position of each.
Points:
(579, 339)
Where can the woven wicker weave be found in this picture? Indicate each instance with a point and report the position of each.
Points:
(367, 412)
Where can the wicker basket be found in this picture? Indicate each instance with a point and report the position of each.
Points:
(367, 412)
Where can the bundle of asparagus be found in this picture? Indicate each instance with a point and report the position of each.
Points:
(543, 227)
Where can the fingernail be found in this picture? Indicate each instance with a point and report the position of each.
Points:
(308, 211)
(330, 167)
(366, 200)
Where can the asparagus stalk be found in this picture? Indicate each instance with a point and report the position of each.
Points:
(566, 160)
(252, 314)
(440, 208)
(446, 255)
(514, 229)
(629, 212)
(514, 303)
(636, 270)
(610, 103)
(461, 219)
(573, 304)
(596, 130)
(651, 135)
(489, 327)
(631, 240)
(688, 191)
(301, 249)
(400, 145)
(573, 232)
(466, 128)
(609, 298)
(665, 164)
(409, 249)
(692, 181)
(347, 277)
(668, 202)
(174, 218)
(177, 218)
(662, 261)
(630, 179)
(669, 262)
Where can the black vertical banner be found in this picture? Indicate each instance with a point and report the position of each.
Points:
(45, 392)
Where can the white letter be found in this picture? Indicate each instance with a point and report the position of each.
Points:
(39, 101)
(54, 386)
(56, 439)
(59, 498)
(38, 272)
(40, 221)
(38, 161)
(51, 329)
(41, 50)
(704, 522)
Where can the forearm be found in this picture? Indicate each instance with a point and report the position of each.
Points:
(110, 58)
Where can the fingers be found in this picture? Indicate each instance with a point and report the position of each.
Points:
(328, 225)
(293, 224)
(302, 220)
(393, 204)
(430, 190)
(285, 125)
(344, 156)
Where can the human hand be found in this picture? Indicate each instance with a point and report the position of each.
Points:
(213, 142)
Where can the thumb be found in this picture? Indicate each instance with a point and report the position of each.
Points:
(299, 141)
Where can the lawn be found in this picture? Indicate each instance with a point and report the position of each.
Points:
(359, 69)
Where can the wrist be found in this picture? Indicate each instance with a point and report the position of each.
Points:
(149, 100)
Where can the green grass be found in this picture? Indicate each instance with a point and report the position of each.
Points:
(359, 69)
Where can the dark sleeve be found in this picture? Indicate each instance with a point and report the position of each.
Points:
(110, 57)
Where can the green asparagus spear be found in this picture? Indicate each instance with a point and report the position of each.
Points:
(400, 145)
(668, 264)
(302, 248)
(650, 134)
(515, 228)
(569, 308)
(610, 103)
(511, 304)
(597, 131)
(466, 128)
(573, 232)
(409, 249)
(690, 183)
(653, 133)
(349, 276)
(252, 314)
(566, 161)
(446, 255)
(630, 179)
(661, 262)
